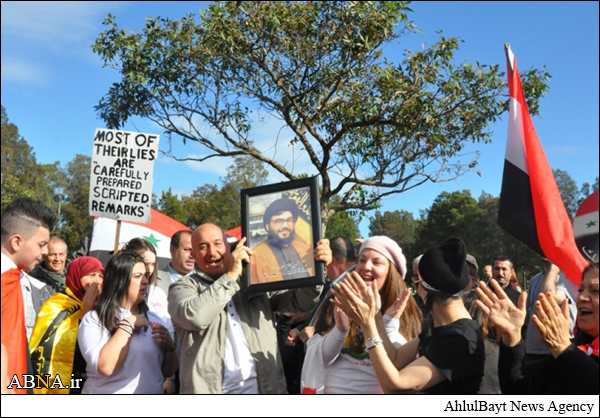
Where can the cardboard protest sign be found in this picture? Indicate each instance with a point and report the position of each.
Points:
(121, 174)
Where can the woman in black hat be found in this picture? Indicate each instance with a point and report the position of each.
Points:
(449, 352)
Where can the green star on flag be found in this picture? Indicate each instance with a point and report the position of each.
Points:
(591, 223)
(152, 240)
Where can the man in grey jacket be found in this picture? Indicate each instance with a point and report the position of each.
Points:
(227, 337)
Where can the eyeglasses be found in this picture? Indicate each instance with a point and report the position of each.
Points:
(279, 222)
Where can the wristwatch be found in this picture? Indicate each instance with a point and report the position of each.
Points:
(373, 342)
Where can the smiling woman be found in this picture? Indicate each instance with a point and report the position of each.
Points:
(572, 365)
(346, 350)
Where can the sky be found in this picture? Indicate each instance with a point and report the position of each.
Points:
(51, 81)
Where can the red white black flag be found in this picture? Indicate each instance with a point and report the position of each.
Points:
(531, 208)
(585, 227)
(158, 232)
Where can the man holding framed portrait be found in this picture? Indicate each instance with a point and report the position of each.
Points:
(283, 224)
(285, 255)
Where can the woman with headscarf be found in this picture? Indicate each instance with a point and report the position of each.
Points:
(572, 365)
(448, 355)
(127, 349)
(340, 343)
(53, 345)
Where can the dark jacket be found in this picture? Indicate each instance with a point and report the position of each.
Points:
(572, 373)
(54, 281)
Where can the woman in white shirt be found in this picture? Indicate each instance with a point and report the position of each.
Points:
(127, 348)
(340, 344)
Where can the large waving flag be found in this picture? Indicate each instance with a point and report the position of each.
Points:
(531, 208)
(158, 232)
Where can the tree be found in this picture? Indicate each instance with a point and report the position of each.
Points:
(371, 128)
(450, 215)
(57, 184)
(170, 205)
(209, 204)
(568, 191)
(399, 225)
(458, 214)
(572, 196)
(246, 172)
(21, 174)
(221, 206)
(77, 224)
(342, 224)
(587, 190)
(11, 190)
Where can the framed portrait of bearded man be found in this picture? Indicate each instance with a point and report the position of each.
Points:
(282, 224)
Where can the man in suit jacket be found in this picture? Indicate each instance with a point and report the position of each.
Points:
(182, 262)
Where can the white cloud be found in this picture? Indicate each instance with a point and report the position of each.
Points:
(217, 165)
(21, 71)
(58, 25)
(572, 151)
(39, 37)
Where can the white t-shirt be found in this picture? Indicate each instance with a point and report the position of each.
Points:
(141, 372)
(353, 373)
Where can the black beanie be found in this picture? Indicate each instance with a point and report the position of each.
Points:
(444, 269)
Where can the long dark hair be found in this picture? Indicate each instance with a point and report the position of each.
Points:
(139, 246)
(117, 277)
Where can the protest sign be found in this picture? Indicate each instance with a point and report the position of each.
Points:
(121, 174)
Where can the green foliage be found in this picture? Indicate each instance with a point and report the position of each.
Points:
(170, 205)
(211, 204)
(246, 172)
(587, 190)
(76, 224)
(458, 214)
(342, 224)
(400, 226)
(11, 190)
(21, 173)
(568, 191)
(370, 128)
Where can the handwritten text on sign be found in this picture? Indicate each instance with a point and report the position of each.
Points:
(121, 177)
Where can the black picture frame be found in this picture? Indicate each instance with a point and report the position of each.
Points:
(265, 272)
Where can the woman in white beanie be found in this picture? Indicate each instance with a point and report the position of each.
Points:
(346, 363)
(449, 352)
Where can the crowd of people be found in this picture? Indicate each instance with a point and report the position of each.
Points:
(374, 327)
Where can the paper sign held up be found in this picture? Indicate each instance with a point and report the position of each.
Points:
(122, 174)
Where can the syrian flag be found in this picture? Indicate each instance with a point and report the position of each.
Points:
(585, 227)
(158, 232)
(531, 208)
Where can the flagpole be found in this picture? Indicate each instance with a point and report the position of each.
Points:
(117, 236)
(508, 53)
